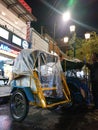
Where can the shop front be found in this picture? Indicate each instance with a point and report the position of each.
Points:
(10, 46)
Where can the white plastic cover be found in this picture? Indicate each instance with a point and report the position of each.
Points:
(48, 66)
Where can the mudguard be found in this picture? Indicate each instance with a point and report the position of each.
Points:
(25, 89)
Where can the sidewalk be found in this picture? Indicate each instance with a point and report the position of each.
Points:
(5, 91)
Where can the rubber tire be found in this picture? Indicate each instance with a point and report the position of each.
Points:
(76, 96)
(19, 106)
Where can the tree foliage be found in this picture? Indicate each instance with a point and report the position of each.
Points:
(85, 47)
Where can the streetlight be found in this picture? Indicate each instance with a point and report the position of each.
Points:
(87, 35)
(72, 30)
(66, 39)
(66, 16)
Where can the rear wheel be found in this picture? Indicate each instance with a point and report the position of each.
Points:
(19, 105)
(76, 96)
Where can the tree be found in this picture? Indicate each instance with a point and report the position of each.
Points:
(85, 48)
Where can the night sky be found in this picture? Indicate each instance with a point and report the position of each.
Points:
(84, 14)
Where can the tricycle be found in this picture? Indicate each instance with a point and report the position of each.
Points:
(38, 80)
(77, 81)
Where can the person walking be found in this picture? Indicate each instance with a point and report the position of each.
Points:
(94, 79)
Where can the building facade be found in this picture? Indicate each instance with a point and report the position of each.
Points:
(38, 41)
(15, 18)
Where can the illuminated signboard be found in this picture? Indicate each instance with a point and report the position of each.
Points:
(8, 49)
(13, 39)
(27, 7)
(25, 44)
(20, 42)
(16, 40)
(4, 33)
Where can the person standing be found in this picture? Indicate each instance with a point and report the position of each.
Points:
(94, 78)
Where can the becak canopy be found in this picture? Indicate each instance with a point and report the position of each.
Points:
(47, 65)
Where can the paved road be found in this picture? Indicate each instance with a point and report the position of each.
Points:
(78, 118)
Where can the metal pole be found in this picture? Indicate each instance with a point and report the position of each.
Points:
(74, 44)
(54, 36)
(54, 31)
(74, 50)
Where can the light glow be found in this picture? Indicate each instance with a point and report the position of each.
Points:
(66, 16)
(16, 40)
(87, 35)
(72, 28)
(16, 22)
(4, 33)
(66, 39)
(3, 13)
